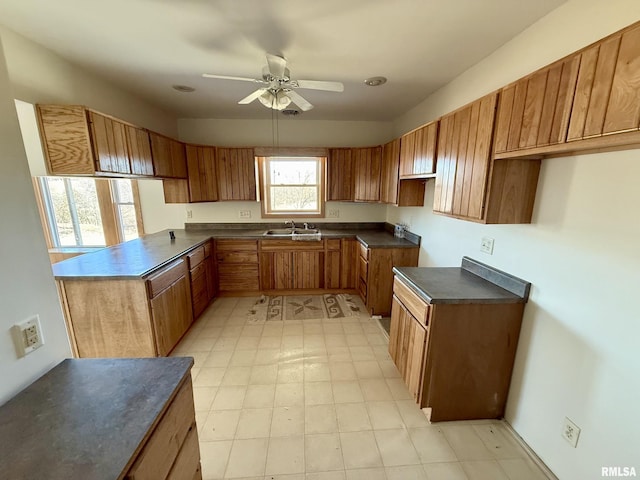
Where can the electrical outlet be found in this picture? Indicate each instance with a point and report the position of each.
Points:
(244, 214)
(570, 432)
(333, 213)
(189, 213)
(27, 336)
(486, 245)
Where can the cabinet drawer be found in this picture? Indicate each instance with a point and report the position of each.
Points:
(237, 257)
(418, 307)
(363, 269)
(198, 271)
(364, 251)
(288, 245)
(235, 245)
(362, 290)
(196, 257)
(167, 276)
(187, 465)
(161, 450)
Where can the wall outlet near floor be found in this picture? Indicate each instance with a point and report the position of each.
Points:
(333, 213)
(27, 336)
(570, 432)
(486, 245)
(244, 214)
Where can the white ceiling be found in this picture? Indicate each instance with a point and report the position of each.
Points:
(146, 46)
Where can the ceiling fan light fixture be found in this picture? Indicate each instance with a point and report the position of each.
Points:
(183, 88)
(375, 81)
(276, 101)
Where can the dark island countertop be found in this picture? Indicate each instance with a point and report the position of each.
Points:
(86, 418)
(473, 282)
(138, 258)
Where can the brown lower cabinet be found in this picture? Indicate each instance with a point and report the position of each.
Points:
(138, 317)
(456, 359)
(375, 274)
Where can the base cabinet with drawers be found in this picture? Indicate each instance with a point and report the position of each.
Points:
(237, 265)
(456, 359)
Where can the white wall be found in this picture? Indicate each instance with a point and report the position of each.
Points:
(578, 353)
(26, 283)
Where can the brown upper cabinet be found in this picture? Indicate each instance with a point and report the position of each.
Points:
(393, 190)
(607, 96)
(470, 186)
(169, 156)
(534, 111)
(367, 163)
(201, 166)
(418, 151)
(236, 174)
(78, 141)
(340, 175)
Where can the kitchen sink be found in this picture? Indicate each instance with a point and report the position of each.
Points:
(290, 232)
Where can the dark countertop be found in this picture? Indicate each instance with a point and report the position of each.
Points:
(86, 418)
(138, 258)
(473, 282)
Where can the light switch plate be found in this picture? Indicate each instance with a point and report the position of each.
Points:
(244, 214)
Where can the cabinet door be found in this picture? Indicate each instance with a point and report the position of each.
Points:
(349, 263)
(418, 152)
(201, 167)
(396, 332)
(367, 167)
(172, 314)
(109, 144)
(416, 342)
(276, 270)
(463, 159)
(534, 112)
(139, 147)
(340, 175)
(235, 168)
(308, 269)
(178, 159)
(607, 98)
(390, 171)
(161, 153)
(332, 269)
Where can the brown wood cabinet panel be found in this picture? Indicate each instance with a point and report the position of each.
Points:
(161, 280)
(623, 111)
(187, 464)
(463, 159)
(161, 152)
(349, 263)
(332, 262)
(201, 167)
(159, 453)
(390, 171)
(224, 245)
(235, 169)
(535, 110)
(340, 175)
(175, 190)
(601, 88)
(64, 130)
(139, 147)
(238, 277)
(172, 314)
(178, 159)
(308, 269)
(109, 144)
(416, 345)
(276, 270)
(418, 151)
(367, 174)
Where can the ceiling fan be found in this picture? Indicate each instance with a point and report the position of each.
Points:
(277, 87)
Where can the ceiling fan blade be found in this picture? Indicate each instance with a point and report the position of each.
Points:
(251, 97)
(319, 85)
(298, 100)
(277, 65)
(226, 77)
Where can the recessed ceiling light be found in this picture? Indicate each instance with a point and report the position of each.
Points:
(184, 88)
(375, 81)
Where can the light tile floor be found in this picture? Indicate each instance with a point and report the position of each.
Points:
(322, 400)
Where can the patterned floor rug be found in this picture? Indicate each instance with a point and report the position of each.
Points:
(303, 307)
